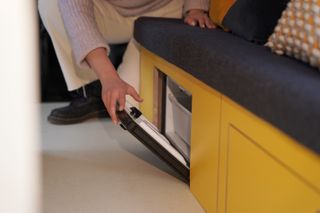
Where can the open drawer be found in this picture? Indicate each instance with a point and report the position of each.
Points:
(132, 120)
(171, 141)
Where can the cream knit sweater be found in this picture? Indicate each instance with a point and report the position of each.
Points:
(82, 29)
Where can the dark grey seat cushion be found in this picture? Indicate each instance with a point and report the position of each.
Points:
(279, 89)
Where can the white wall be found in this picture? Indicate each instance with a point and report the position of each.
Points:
(19, 156)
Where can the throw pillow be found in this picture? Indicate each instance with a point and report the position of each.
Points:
(219, 9)
(298, 32)
(253, 20)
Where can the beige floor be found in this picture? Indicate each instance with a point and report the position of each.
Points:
(96, 167)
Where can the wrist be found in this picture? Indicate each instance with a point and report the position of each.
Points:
(195, 11)
(108, 77)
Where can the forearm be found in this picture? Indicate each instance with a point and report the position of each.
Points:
(101, 64)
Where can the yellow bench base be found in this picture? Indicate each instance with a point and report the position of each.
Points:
(239, 162)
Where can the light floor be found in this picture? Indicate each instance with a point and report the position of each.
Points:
(97, 167)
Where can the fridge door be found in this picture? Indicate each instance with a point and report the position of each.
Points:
(132, 120)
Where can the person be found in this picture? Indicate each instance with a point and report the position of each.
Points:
(81, 32)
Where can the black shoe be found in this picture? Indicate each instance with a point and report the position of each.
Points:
(86, 103)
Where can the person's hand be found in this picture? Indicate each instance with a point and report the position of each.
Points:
(198, 17)
(114, 91)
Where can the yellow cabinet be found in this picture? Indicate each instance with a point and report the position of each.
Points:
(255, 177)
(239, 162)
(258, 182)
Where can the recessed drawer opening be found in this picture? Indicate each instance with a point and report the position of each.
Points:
(178, 107)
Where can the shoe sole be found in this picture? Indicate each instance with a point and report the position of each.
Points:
(62, 121)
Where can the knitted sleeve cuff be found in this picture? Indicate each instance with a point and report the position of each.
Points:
(82, 30)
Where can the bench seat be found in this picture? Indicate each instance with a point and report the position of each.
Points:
(279, 89)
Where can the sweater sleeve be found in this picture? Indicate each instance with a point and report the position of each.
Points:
(196, 4)
(82, 29)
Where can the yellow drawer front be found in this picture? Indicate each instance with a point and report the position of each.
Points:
(262, 169)
(258, 182)
(205, 147)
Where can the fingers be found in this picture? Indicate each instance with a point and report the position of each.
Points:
(199, 18)
(122, 102)
(194, 21)
(106, 100)
(111, 99)
(190, 21)
(115, 96)
(209, 23)
(201, 22)
(112, 107)
(131, 91)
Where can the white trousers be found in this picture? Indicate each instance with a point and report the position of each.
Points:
(113, 26)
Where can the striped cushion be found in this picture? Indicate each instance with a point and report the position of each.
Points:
(219, 9)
